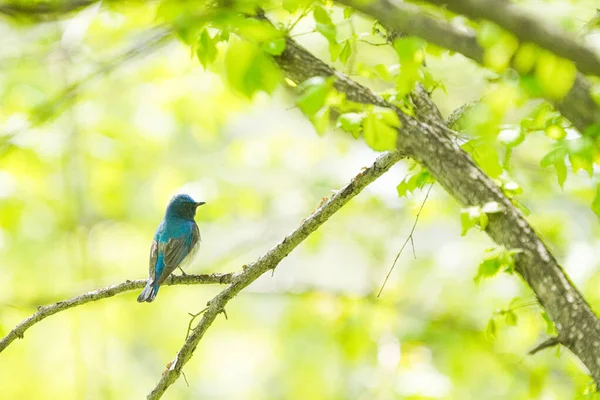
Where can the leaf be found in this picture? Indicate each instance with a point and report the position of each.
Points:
(496, 259)
(346, 52)
(249, 70)
(554, 156)
(511, 318)
(321, 16)
(379, 135)
(314, 92)
(469, 217)
(488, 268)
(486, 156)
(351, 122)
(554, 74)
(206, 49)
(325, 25)
(274, 46)
(321, 120)
(415, 181)
(561, 172)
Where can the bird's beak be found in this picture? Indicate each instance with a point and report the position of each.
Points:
(198, 204)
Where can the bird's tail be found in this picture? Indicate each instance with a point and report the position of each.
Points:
(149, 293)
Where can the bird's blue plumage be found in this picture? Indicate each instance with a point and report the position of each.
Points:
(175, 242)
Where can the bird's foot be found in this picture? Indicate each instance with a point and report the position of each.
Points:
(182, 271)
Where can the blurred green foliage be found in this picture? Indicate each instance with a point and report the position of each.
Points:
(88, 164)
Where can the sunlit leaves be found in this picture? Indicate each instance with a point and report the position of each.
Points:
(554, 74)
(556, 158)
(206, 48)
(351, 123)
(496, 260)
(328, 29)
(499, 46)
(249, 69)
(484, 153)
(414, 181)
(525, 58)
(274, 46)
(314, 93)
(477, 216)
(411, 55)
(380, 129)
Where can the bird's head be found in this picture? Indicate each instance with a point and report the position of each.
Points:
(182, 206)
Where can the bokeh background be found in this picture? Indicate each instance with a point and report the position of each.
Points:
(85, 174)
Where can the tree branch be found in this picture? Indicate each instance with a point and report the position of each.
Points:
(44, 312)
(435, 148)
(41, 10)
(577, 106)
(269, 261)
(550, 342)
(528, 29)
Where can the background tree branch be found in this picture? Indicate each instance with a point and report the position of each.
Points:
(528, 28)
(44, 312)
(270, 261)
(577, 106)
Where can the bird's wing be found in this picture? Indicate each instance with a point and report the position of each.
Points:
(176, 250)
(153, 258)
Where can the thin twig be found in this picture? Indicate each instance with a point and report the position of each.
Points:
(51, 309)
(269, 261)
(194, 316)
(409, 238)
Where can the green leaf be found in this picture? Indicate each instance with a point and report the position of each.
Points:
(379, 135)
(550, 328)
(348, 11)
(554, 156)
(495, 260)
(321, 120)
(335, 49)
(351, 122)
(314, 92)
(322, 16)
(249, 70)
(325, 25)
(554, 74)
(488, 268)
(596, 202)
(511, 318)
(346, 52)
(469, 217)
(414, 181)
(486, 156)
(274, 46)
(206, 49)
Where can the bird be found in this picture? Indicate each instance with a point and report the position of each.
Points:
(175, 243)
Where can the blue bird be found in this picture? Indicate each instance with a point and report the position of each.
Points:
(176, 241)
